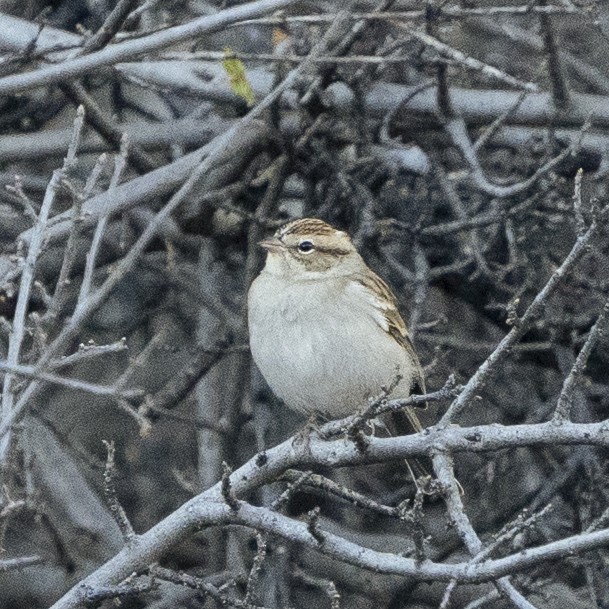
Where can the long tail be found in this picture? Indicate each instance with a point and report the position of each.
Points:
(402, 423)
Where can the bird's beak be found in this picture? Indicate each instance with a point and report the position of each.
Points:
(272, 244)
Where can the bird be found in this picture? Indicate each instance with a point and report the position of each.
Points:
(325, 330)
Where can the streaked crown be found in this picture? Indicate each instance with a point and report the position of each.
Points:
(306, 226)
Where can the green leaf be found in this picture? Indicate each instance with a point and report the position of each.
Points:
(237, 77)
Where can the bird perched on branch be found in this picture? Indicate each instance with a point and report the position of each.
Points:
(325, 330)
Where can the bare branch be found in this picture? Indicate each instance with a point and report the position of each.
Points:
(105, 126)
(443, 468)
(113, 54)
(458, 132)
(227, 492)
(88, 352)
(126, 590)
(449, 11)
(33, 372)
(563, 407)
(116, 509)
(110, 27)
(313, 525)
(464, 60)
(119, 165)
(496, 125)
(467, 234)
(580, 223)
(558, 83)
(254, 575)
(27, 278)
(13, 564)
(70, 254)
(209, 508)
(518, 331)
(325, 486)
(196, 583)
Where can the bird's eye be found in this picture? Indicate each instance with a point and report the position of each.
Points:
(306, 247)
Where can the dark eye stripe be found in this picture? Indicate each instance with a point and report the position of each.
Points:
(322, 250)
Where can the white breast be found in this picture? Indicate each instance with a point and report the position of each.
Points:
(320, 347)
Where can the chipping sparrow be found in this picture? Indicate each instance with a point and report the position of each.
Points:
(325, 330)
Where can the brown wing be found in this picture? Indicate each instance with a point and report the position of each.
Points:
(405, 421)
(389, 319)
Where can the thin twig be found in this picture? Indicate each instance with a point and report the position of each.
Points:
(71, 250)
(508, 532)
(580, 223)
(491, 596)
(79, 122)
(457, 130)
(28, 205)
(110, 26)
(313, 525)
(33, 372)
(254, 575)
(565, 400)
(445, 107)
(296, 480)
(227, 491)
(14, 564)
(414, 517)
(27, 278)
(172, 393)
(119, 165)
(325, 486)
(382, 405)
(105, 126)
(88, 352)
(600, 522)
(326, 586)
(8, 509)
(517, 332)
(471, 241)
(116, 509)
(196, 583)
(558, 82)
(148, 5)
(524, 40)
(490, 131)
(334, 59)
(466, 61)
(138, 415)
(484, 219)
(142, 359)
(449, 11)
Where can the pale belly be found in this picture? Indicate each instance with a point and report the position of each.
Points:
(325, 357)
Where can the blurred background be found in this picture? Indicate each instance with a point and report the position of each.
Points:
(446, 137)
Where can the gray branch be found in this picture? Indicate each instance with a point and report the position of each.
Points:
(209, 509)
